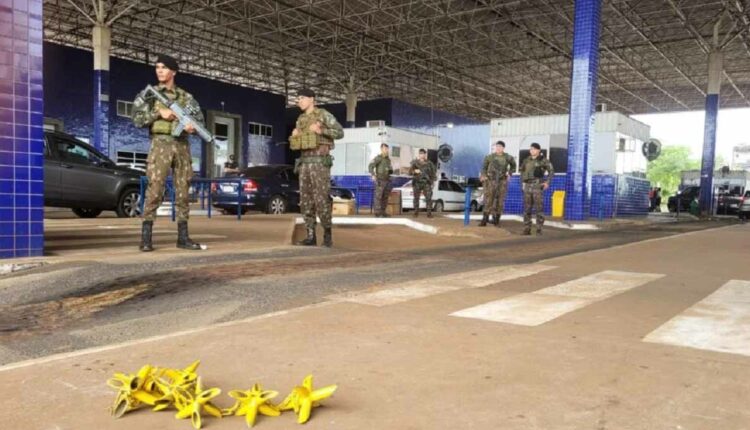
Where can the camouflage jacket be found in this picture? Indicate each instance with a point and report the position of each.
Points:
(427, 171)
(497, 167)
(331, 128)
(535, 168)
(381, 167)
(146, 110)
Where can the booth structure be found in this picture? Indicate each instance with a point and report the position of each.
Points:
(617, 184)
(354, 152)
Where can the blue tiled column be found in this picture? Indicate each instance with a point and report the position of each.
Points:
(715, 68)
(582, 106)
(21, 129)
(101, 42)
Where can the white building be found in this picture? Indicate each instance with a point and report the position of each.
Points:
(615, 148)
(359, 146)
(741, 157)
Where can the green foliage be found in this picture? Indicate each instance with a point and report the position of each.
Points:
(666, 171)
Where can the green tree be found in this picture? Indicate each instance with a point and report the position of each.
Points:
(666, 171)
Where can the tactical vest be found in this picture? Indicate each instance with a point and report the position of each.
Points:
(307, 139)
(162, 126)
(425, 171)
(498, 166)
(534, 168)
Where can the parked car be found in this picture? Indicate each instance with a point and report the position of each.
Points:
(447, 195)
(728, 204)
(79, 177)
(272, 189)
(683, 198)
(744, 207)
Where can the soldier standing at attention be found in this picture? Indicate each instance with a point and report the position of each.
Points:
(496, 170)
(424, 175)
(167, 152)
(316, 130)
(381, 169)
(533, 171)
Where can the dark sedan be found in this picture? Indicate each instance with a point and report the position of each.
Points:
(272, 189)
(79, 177)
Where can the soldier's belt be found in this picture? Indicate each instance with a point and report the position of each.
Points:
(304, 140)
(313, 159)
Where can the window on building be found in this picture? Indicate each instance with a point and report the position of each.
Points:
(257, 129)
(124, 109)
(395, 151)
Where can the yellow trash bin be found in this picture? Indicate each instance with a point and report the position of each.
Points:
(558, 204)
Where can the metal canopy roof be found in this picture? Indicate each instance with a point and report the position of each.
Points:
(480, 58)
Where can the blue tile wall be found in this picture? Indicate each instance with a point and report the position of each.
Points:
(582, 107)
(21, 129)
(71, 101)
(632, 196)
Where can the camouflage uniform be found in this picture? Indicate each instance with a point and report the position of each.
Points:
(381, 168)
(167, 152)
(314, 168)
(496, 169)
(532, 174)
(422, 182)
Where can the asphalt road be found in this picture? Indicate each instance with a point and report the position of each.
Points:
(83, 304)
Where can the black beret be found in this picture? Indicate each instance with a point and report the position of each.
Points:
(536, 146)
(384, 145)
(306, 92)
(422, 151)
(169, 62)
(501, 143)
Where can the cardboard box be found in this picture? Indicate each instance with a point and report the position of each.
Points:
(343, 207)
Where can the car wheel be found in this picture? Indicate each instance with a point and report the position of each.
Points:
(129, 205)
(474, 206)
(276, 206)
(87, 213)
(438, 206)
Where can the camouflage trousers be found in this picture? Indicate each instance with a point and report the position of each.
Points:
(315, 193)
(533, 198)
(382, 192)
(168, 153)
(494, 196)
(426, 189)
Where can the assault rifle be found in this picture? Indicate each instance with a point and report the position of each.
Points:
(184, 116)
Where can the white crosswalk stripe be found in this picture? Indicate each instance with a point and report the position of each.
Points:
(539, 307)
(431, 286)
(720, 322)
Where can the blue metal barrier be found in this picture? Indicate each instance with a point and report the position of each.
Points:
(204, 185)
(467, 206)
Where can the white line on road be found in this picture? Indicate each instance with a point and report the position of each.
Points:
(720, 322)
(441, 284)
(539, 307)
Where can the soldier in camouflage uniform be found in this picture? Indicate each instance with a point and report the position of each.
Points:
(167, 152)
(381, 169)
(533, 171)
(423, 175)
(314, 166)
(496, 170)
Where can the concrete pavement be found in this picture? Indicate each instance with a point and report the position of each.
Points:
(608, 354)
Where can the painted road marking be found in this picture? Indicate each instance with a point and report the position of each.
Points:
(437, 285)
(547, 304)
(720, 322)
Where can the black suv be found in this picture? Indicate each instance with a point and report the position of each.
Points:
(79, 177)
(683, 198)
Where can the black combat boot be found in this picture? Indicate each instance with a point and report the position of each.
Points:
(538, 231)
(527, 231)
(146, 230)
(327, 238)
(416, 213)
(483, 222)
(311, 239)
(429, 214)
(496, 220)
(183, 239)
